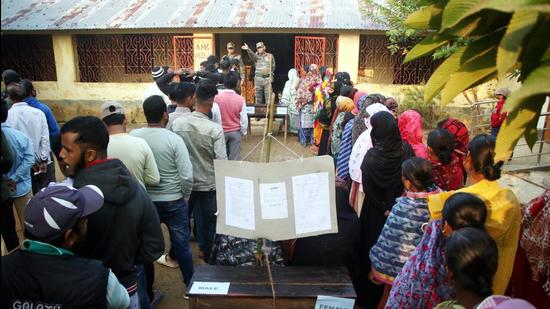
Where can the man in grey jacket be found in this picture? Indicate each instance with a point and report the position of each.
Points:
(205, 142)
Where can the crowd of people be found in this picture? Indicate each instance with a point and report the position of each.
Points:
(420, 224)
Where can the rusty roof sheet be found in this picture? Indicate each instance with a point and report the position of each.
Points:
(150, 14)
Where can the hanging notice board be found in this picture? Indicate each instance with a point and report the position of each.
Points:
(277, 201)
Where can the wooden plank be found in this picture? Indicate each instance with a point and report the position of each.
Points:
(295, 287)
(310, 274)
(244, 281)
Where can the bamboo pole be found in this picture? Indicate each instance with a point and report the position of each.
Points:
(269, 128)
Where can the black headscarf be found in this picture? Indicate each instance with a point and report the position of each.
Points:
(381, 167)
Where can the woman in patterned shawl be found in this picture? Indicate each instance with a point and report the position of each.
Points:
(447, 167)
(461, 134)
(344, 106)
(324, 116)
(423, 281)
(304, 104)
(531, 276)
(402, 230)
(359, 126)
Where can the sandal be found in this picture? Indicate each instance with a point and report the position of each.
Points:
(163, 260)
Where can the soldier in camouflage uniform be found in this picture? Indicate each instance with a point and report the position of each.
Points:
(263, 76)
(232, 55)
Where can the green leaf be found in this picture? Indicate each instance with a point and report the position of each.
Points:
(429, 44)
(524, 107)
(535, 84)
(522, 121)
(462, 56)
(427, 17)
(470, 74)
(457, 10)
(511, 44)
(537, 48)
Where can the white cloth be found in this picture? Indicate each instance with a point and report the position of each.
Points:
(244, 120)
(216, 114)
(153, 89)
(139, 161)
(363, 144)
(32, 122)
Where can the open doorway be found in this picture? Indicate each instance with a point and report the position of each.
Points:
(282, 46)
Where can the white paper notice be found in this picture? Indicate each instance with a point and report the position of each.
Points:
(201, 287)
(239, 199)
(329, 302)
(311, 202)
(273, 200)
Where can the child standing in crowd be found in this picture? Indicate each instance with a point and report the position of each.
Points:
(422, 282)
(402, 230)
(447, 167)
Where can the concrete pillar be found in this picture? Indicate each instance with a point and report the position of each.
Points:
(348, 54)
(65, 59)
(203, 46)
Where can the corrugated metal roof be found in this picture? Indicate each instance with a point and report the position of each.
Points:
(146, 14)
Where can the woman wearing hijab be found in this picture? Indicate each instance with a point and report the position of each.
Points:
(344, 106)
(359, 149)
(289, 99)
(410, 126)
(392, 105)
(342, 161)
(447, 167)
(460, 132)
(359, 126)
(324, 115)
(381, 175)
(320, 97)
(304, 104)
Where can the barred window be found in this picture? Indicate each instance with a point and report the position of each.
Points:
(122, 58)
(378, 65)
(29, 55)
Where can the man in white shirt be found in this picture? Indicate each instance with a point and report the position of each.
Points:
(32, 122)
(134, 152)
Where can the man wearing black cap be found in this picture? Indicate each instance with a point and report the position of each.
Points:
(263, 76)
(159, 86)
(44, 272)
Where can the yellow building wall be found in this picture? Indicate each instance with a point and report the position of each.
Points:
(69, 98)
(348, 54)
